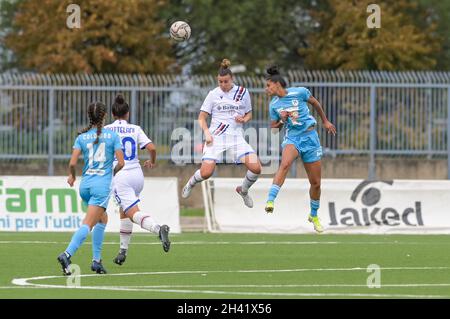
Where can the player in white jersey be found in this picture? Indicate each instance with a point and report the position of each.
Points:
(128, 184)
(229, 106)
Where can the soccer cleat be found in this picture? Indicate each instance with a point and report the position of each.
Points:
(97, 266)
(164, 237)
(186, 190)
(121, 256)
(64, 261)
(269, 207)
(248, 201)
(317, 226)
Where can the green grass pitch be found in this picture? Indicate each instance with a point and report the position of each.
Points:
(222, 266)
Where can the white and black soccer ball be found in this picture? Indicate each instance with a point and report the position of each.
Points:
(180, 31)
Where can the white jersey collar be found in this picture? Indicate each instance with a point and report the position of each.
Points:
(231, 90)
(120, 122)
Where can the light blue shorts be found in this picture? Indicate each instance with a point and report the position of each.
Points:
(96, 195)
(307, 145)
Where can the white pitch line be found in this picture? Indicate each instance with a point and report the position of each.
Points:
(24, 282)
(30, 286)
(20, 287)
(242, 293)
(289, 286)
(239, 243)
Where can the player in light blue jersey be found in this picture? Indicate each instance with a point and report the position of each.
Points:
(289, 108)
(98, 146)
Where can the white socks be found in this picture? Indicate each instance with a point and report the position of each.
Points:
(126, 229)
(249, 179)
(196, 178)
(146, 221)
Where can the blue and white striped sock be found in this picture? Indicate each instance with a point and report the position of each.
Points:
(315, 204)
(273, 192)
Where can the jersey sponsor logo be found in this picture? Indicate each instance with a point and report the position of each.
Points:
(293, 114)
(95, 171)
(229, 107)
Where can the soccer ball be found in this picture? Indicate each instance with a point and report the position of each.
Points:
(180, 31)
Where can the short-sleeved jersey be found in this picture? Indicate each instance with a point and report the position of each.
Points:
(224, 107)
(132, 137)
(98, 158)
(294, 102)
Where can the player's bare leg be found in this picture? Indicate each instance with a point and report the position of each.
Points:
(314, 171)
(288, 156)
(148, 223)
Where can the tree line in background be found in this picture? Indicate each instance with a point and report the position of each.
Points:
(131, 36)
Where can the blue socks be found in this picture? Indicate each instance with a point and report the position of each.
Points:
(273, 192)
(77, 239)
(98, 233)
(314, 207)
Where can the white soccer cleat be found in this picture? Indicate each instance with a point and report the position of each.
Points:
(186, 190)
(248, 201)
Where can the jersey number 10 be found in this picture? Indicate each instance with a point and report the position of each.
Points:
(129, 156)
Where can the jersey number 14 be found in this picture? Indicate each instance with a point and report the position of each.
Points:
(99, 156)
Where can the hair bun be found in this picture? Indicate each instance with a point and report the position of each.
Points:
(225, 64)
(119, 99)
(273, 70)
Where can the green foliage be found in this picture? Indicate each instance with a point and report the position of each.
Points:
(343, 40)
(439, 13)
(115, 36)
(253, 33)
(131, 36)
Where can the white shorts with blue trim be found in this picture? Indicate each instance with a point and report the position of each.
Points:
(127, 186)
(227, 148)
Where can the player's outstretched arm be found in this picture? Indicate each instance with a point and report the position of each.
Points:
(120, 161)
(326, 124)
(72, 165)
